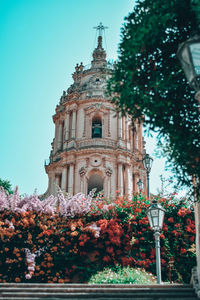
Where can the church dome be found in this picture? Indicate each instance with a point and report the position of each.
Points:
(94, 145)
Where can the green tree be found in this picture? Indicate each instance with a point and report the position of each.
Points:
(6, 185)
(148, 79)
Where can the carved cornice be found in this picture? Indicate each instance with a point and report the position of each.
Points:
(96, 107)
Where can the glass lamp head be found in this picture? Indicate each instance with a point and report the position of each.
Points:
(147, 161)
(155, 214)
(189, 55)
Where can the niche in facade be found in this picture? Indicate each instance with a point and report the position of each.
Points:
(95, 181)
(96, 127)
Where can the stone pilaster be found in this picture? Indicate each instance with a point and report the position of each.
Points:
(64, 179)
(71, 179)
(57, 180)
(109, 174)
(129, 181)
(56, 138)
(59, 144)
(119, 125)
(67, 126)
(51, 187)
(74, 124)
(120, 178)
(126, 126)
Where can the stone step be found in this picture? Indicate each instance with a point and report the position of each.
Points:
(92, 289)
(161, 286)
(85, 291)
(25, 295)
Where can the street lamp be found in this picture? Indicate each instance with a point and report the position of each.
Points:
(147, 162)
(189, 55)
(140, 185)
(155, 214)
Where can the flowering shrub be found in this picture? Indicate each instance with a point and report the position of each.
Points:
(69, 238)
(125, 275)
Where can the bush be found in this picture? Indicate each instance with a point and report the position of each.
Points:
(126, 275)
(68, 239)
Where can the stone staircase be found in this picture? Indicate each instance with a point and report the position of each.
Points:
(85, 291)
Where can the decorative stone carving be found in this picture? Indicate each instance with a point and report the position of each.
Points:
(95, 161)
(82, 171)
(109, 171)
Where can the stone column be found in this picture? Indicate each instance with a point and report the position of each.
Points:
(64, 179)
(57, 181)
(82, 179)
(126, 126)
(140, 137)
(119, 125)
(136, 138)
(74, 124)
(120, 178)
(108, 178)
(129, 182)
(71, 179)
(52, 189)
(51, 183)
(56, 138)
(136, 178)
(67, 126)
(59, 136)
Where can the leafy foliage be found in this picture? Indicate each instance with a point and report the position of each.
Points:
(148, 79)
(44, 245)
(6, 185)
(119, 275)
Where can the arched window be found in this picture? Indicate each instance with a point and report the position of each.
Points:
(95, 181)
(96, 127)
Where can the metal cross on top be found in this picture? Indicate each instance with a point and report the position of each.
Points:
(100, 28)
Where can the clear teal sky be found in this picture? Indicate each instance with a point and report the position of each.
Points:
(40, 43)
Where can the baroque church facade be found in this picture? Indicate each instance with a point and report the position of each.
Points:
(94, 145)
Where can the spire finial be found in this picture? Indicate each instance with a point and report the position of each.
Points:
(99, 54)
(100, 28)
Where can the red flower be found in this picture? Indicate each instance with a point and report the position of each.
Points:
(163, 261)
(103, 224)
(188, 229)
(144, 220)
(162, 236)
(183, 251)
(165, 227)
(107, 259)
(47, 232)
(183, 211)
(110, 250)
(171, 220)
(126, 261)
(143, 255)
(177, 225)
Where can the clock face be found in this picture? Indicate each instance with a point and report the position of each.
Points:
(95, 161)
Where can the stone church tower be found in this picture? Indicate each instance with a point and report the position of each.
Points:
(94, 146)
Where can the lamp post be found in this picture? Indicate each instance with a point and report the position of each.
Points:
(155, 214)
(189, 55)
(140, 185)
(147, 162)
